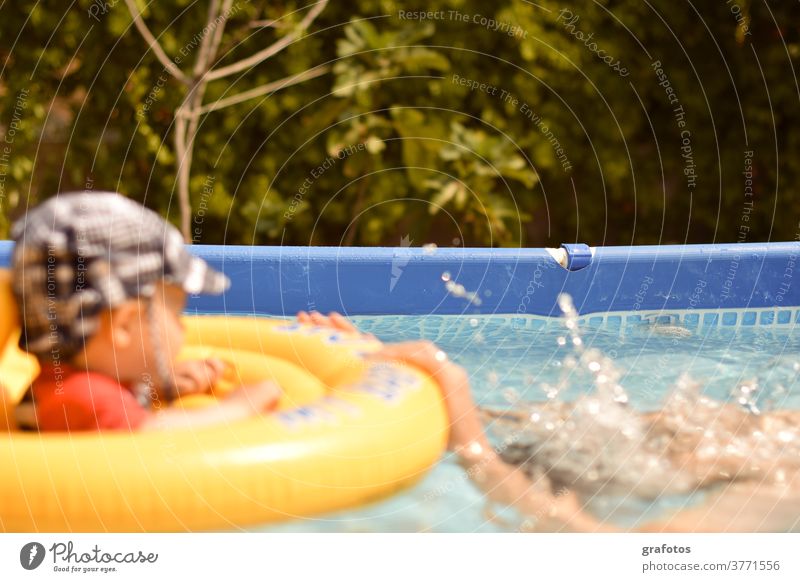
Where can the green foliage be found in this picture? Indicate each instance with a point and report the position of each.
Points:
(547, 143)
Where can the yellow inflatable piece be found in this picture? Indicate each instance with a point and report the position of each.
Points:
(348, 432)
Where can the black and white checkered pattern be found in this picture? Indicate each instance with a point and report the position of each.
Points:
(82, 252)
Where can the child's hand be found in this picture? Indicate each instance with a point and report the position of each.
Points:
(428, 357)
(466, 429)
(242, 403)
(256, 398)
(333, 321)
(197, 376)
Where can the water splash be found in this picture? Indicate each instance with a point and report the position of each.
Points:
(458, 290)
(599, 443)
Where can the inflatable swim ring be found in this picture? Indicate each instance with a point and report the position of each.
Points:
(347, 431)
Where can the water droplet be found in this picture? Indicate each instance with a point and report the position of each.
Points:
(473, 322)
(446, 276)
(456, 241)
(429, 248)
(562, 341)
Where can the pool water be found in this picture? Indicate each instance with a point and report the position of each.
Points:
(512, 359)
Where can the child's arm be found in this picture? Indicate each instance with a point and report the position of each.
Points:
(499, 480)
(243, 403)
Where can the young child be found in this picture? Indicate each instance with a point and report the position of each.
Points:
(101, 283)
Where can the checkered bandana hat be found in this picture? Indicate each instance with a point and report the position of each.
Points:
(80, 253)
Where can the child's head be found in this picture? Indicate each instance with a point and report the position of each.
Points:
(101, 281)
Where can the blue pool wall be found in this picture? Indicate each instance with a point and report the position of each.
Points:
(408, 281)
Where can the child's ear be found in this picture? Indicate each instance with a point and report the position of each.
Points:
(123, 322)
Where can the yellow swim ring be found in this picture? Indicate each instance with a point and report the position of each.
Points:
(348, 431)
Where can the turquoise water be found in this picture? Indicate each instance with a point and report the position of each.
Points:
(512, 358)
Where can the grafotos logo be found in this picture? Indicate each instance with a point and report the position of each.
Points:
(31, 555)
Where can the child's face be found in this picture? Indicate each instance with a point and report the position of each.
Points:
(140, 340)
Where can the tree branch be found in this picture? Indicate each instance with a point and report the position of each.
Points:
(271, 50)
(226, 8)
(261, 90)
(169, 65)
(203, 52)
(266, 24)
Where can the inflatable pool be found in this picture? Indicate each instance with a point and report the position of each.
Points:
(227, 477)
(347, 431)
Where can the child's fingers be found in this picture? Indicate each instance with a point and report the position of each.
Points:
(334, 320)
(216, 367)
(198, 376)
(342, 323)
(187, 381)
(319, 319)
